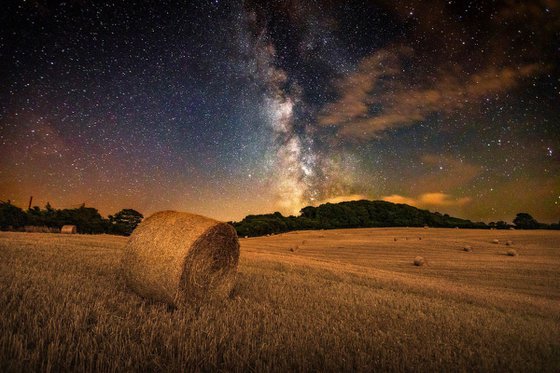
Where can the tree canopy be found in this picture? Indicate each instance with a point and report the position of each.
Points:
(364, 214)
(125, 221)
(524, 220)
(86, 219)
(354, 214)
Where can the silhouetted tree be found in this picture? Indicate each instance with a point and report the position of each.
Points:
(524, 220)
(125, 221)
(502, 225)
(11, 216)
(35, 216)
(86, 219)
(352, 214)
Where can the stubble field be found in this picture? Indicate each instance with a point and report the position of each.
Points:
(318, 300)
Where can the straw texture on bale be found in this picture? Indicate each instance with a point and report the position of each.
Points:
(180, 258)
(68, 229)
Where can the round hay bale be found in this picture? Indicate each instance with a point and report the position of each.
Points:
(419, 261)
(496, 241)
(467, 249)
(180, 258)
(68, 229)
(509, 243)
(511, 252)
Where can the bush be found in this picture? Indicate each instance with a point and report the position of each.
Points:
(11, 216)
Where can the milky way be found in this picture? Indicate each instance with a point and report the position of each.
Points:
(239, 107)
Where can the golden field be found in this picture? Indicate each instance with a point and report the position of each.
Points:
(335, 300)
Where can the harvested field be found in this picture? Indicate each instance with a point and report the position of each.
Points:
(344, 300)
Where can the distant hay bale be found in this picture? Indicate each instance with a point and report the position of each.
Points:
(511, 252)
(467, 248)
(419, 261)
(495, 241)
(509, 243)
(419, 238)
(426, 227)
(395, 239)
(68, 229)
(180, 258)
(246, 236)
(294, 249)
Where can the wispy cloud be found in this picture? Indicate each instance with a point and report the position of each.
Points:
(363, 112)
(355, 89)
(434, 199)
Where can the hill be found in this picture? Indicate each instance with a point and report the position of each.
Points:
(353, 214)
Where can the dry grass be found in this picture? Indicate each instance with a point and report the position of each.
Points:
(350, 300)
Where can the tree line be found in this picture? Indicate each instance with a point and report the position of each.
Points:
(369, 214)
(354, 214)
(86, 219)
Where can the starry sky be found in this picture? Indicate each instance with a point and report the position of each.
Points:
(226, 108)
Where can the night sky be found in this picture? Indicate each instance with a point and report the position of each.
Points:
(227, 108)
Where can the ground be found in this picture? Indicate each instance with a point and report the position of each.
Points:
(316, 300)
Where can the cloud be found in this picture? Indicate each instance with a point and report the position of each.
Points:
(396, 198)
(434, 199)
(402, 103)
(442, 199)
(355, 88)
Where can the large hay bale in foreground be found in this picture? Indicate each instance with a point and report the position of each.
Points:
(181, 258)
(68, 229)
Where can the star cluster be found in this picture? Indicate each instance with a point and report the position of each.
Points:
(226, 108)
